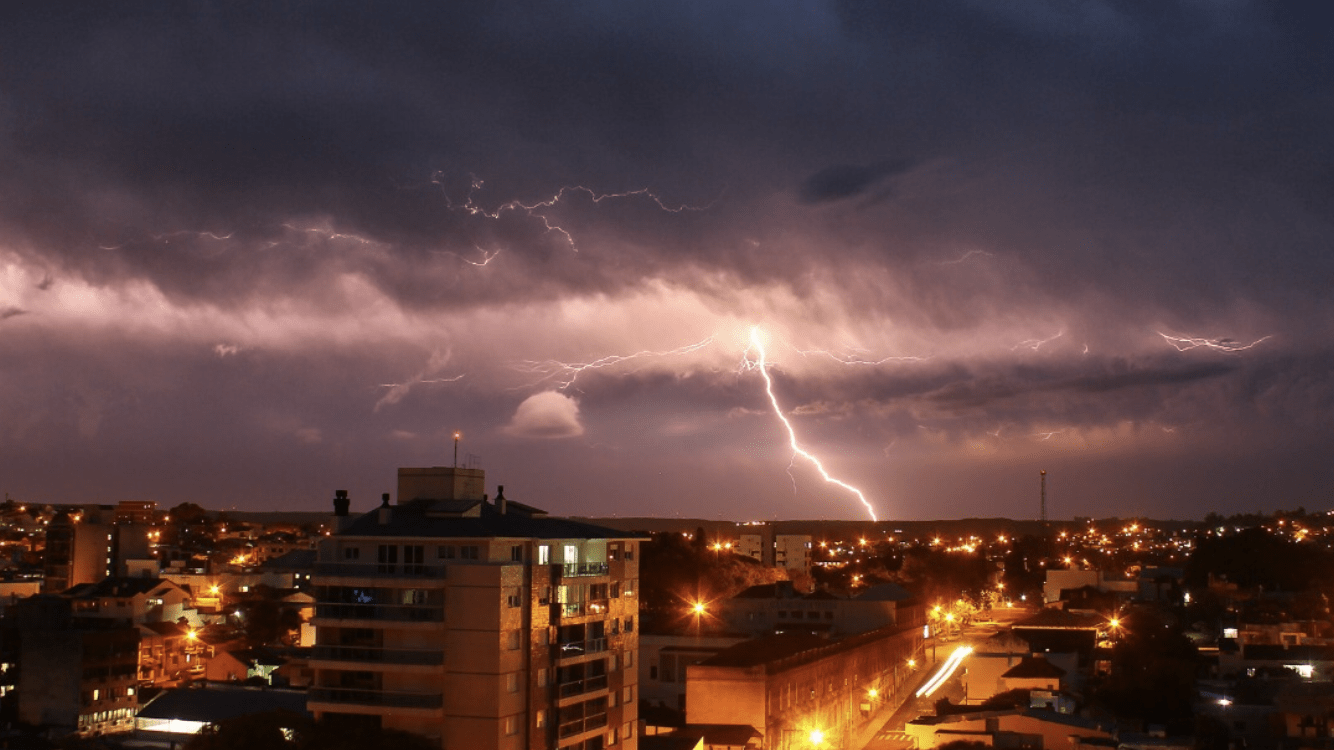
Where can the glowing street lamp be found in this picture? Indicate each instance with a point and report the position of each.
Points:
(817, 738)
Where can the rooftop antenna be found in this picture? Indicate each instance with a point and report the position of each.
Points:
(458, 435)
(1043, 511)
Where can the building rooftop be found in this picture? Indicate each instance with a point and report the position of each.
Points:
(1034, 667)
(116, 587)
(425, 519)
(216, 703)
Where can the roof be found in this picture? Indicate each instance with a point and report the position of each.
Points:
(1274, 652)
(884, 592)
(164, 628)
(116, 586)
(668, 742)
(1034, 667)
(297, 559)
(216, 703)
(721, 734)
(1059, 618)
(417, 520)
(763, 650)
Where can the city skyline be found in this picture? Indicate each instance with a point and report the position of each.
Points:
(252, 254)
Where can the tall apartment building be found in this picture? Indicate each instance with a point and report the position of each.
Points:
(483, 625)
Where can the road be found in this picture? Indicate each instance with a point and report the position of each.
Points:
(889, 735)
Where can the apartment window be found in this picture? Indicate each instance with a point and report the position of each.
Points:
(653, 673)
(511, 726)
(612, 736)
(445, 552)
(516, 553)
(542, 678)
(628, 730)
(630, 624)
(629, 659)
(469, 552)
(612, 666)
(512, 682)
(629, 551)
(614, 552)
(414, 596)
(414, 555)
(515, 598)
(388, 557)
(616, 590)
(351, 553)
(627, 694)
(514, 640)
(541, 717)
(544, 554)
(571, 554)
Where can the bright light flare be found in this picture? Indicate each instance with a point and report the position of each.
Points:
(945, 672)
(761, 364)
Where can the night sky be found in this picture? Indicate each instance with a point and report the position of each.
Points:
(251, 253)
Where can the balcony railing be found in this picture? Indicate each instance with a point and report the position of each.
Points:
(394, 612)
(579, 726)
(581, 648)
(364, 697)
(379, 655)
(375, 570)
(575, 570)
(587, 685)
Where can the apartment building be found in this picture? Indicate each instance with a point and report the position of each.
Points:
(485, 625)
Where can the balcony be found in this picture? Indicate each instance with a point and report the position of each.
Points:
(579, 570)
(579, 726)
(582, 648)
(381, 612)
(364, 697)
(586, 685)
(370, 654)
(380, 570)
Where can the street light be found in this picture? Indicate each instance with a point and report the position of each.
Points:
(817, 738)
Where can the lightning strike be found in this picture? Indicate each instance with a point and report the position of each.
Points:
(565, 373)
(1036, 344)
(1185, 343)
(761, 364)
(857, 359)
(533, 210)
(965, 257)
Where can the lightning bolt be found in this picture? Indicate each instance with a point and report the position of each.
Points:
(761, 364)
(855, 359)
(565, 373)
(533, 210)
(1184, 343)
(1036, 344)
(964, 257)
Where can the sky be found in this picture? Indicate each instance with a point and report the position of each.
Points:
(254, 252)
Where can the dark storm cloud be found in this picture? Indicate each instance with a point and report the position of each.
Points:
(847, 180)
(335, 194)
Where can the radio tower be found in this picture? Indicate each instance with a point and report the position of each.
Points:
(1043, 510)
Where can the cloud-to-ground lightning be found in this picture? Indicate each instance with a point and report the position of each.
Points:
(761, 364)
(1184, 343)
(565, 373)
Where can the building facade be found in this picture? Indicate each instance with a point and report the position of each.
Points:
(482, 625)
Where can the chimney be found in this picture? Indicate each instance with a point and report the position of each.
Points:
(385, 510)
(500, 499)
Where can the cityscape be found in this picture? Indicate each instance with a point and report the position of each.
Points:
(712, 375)
(450, 615)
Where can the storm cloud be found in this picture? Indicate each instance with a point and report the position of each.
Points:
(250, 252)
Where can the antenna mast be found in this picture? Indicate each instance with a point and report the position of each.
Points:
(458, 435)
(1043, 511)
